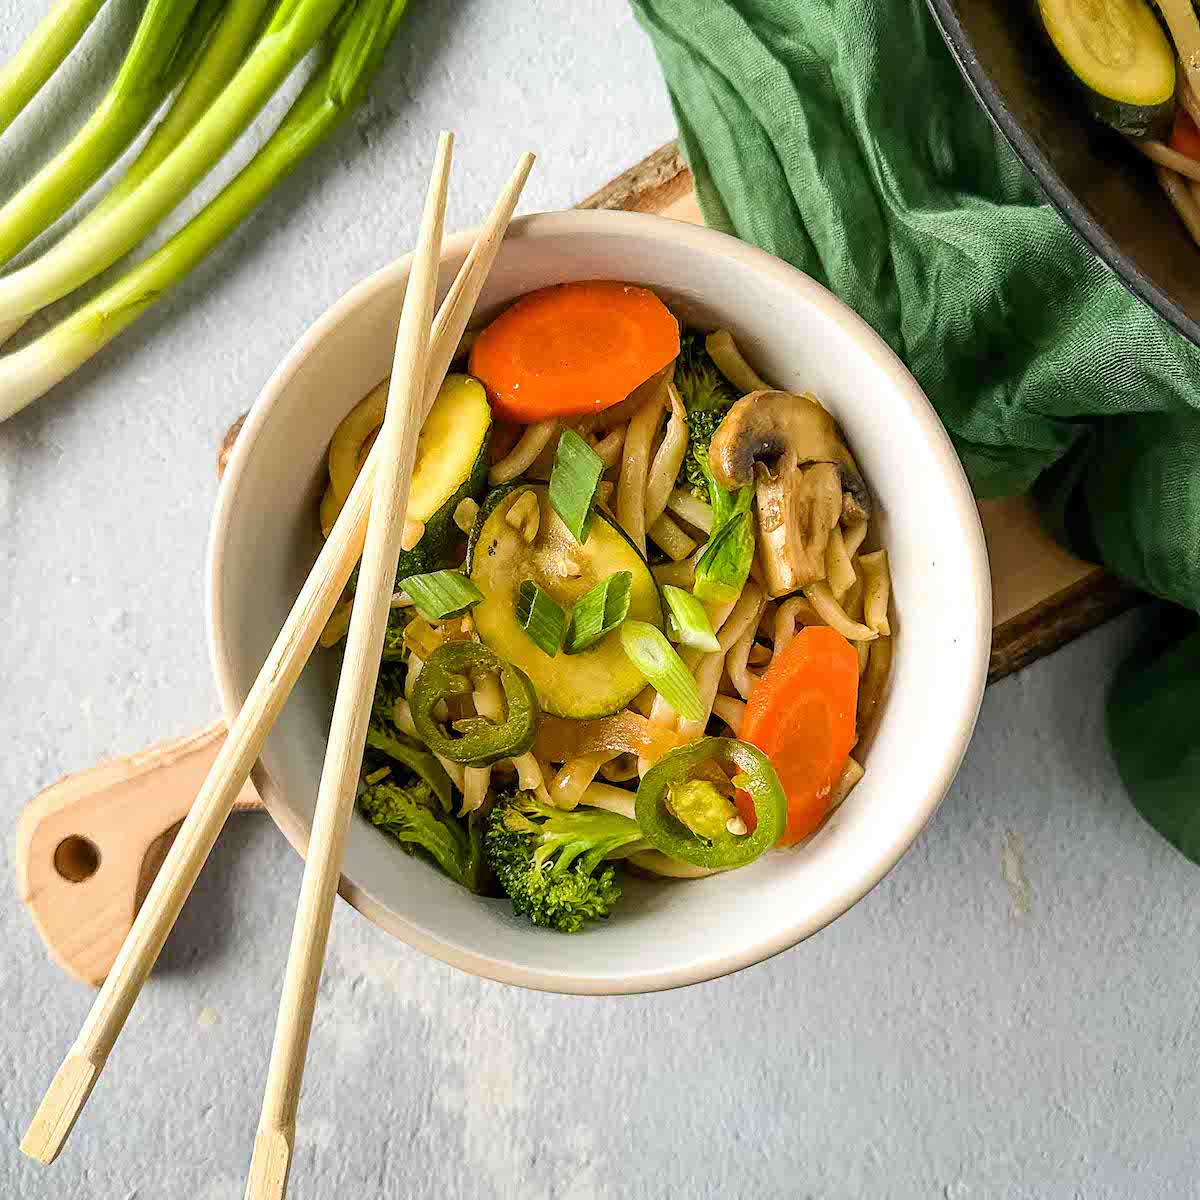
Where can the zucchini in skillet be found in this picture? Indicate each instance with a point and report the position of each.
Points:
(517, 537)
(1117, 55)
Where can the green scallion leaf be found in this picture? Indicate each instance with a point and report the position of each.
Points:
(687, 621)
(724, 566)
(599, 611)
(573, 483)
(541, 618)
(440, 595)
(662, 668)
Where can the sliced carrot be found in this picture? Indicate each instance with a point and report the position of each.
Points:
(1185, 137)
(573, 348)
(802, 715)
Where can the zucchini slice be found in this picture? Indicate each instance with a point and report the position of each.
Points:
(599, 681)
(1117, 54)
(454, 435)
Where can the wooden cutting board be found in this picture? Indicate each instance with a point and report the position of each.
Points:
(89, 846)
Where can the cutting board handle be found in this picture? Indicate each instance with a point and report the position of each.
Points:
(89, 846)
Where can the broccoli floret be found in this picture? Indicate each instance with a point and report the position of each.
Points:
(394, 649)
(698, 379)
(707, 396)
(695, 474)
(389, 687)
(548, 861)
(407, 807)
(386, 743)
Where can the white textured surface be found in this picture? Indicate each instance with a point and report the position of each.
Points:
(1011, 1013)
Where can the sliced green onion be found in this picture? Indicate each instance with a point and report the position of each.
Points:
(662, 667)
(220, 57)
(295, 29)
(42, 53)
(599, 611)
(167, 40)
(440, 595)
(726, 504)
(541, 618)
(573, 483)
(329, 97)
(223, 53)
(724, 567)
(687, 621)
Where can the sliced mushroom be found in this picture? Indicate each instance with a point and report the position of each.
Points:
(856, 500)
(797, 510)
(804, 478)
(780, 429)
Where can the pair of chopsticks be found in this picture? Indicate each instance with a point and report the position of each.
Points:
(370, 525)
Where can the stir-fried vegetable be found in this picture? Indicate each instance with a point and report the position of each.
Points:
(452, 673)
(407, 814)
(442, 594)
(1185, 137)
(787, 447)
(552, 864)
(662, 668)
(518, 537)
(573, 483)
(599, 612)
(573, 348)
(724, 564)
(687, 622)
(387, 743)
(569, 620)
(628, 732)
(541, 617)
(802, 715)
(686, 813)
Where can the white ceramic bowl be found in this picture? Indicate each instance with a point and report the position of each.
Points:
(265, 537)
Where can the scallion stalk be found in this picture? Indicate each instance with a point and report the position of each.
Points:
(327, 99)
(541, 618)
(295, 28)
(440, 595)
(22, 77)
(222, 54)
(599, 611)
(573, 482)
(724, 566)
(662, 668)
(687, 621)
(166, 42)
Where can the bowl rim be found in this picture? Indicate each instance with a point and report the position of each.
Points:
(702, 241)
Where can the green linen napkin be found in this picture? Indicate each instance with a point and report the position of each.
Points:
(839, 135)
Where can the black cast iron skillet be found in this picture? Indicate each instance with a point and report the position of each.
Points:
(1100, 185)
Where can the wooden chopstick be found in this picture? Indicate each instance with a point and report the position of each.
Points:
(352, 708)
(75, 1078)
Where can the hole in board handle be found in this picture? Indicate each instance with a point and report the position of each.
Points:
(76, 858)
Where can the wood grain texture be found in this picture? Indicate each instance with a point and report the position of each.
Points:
(89, 845)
